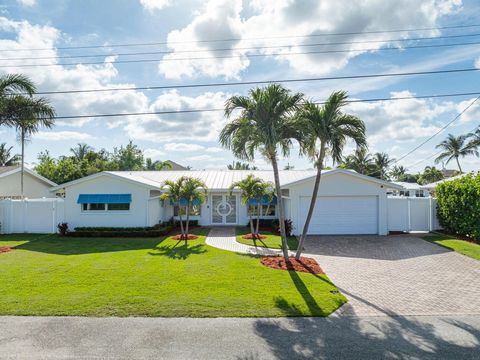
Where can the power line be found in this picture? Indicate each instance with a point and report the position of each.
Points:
(189, 111)
(258, 82)
(242, 56)
(239, 48)
(251, 38)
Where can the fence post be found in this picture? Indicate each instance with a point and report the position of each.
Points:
(409, 214)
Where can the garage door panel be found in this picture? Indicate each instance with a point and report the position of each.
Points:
(342, 215)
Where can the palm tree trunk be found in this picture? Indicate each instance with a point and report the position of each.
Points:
(188, 220)
(459, 167)
(312, 202)
(181, 221)
(23, 160)
(257, 230)
(251, 223)
(281, 215)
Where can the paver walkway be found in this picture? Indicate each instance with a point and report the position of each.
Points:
(386, 275)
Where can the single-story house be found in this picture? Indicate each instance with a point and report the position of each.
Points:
(348, 202)
(410, 190)
(34, 185)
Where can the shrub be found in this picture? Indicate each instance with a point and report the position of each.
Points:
(265, 224)
(458, 205)
(153, 231)
(288, 226)
(62, 228)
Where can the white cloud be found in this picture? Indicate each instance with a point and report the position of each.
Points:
(204, 157)
(152, 5)
(155, 154)
(62, 135)
(472, 113)
(182, 147)
(214, 149)
(27, 3)
(274, 19)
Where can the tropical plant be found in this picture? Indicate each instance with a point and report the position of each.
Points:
(185, 192)
(326, 129)
(382, 163)
(10, 85)
(398, 172)
(455, 147)
(128, 158)
(156, 165)
(265, 124)
(474, 138)
(237, 165)
(6, 156)
(360, 161)
(254, 190)
(81, 151)
(430, 174)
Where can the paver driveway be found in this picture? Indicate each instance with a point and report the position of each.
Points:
(398, 275)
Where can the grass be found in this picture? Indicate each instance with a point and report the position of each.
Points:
(51, 275)
(461, 246)
(272, 241)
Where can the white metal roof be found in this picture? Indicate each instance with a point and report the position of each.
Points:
(432, 185)
(407, 185)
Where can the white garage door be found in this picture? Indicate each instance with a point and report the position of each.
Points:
(341, 215)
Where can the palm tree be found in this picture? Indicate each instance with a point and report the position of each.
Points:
(81, 151)
(6, 157)
(28, 114)
(455, 147)
(157, 165)
(397, 172)
(475, 138)
(173, 194)
(11, 84)
(382, 163)
(265, 124)
(237, 165)
(430, 175)
(326, 129)
(360, 161)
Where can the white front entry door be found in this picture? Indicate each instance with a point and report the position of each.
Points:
(224, 209)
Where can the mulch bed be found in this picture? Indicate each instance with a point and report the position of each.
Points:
(254, 237)
(5, 249)
(180, 237)
(305, 264)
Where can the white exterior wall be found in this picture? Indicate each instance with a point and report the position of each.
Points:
(32, 186)
(138, 215)
(154, 211)
(338, 184)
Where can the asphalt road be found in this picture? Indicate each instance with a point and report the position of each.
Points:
(420, 337)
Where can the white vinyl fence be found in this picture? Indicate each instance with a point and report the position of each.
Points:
(31, 215)
(412, 214)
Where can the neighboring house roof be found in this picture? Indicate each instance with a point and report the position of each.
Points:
(448, 172)
(407, 185)
(176, 166)
(432, 186)
(220, 179)
(9, 170)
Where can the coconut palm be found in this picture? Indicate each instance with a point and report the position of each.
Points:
(360, 161)
(28, 115)
(10, 85)
(6, 156)
(326, 129)
(382, 163)
(397, 172)
(81, 151)
(237, 165)
(455, 147)
(475, 138)
(430, 174)
(265, 124)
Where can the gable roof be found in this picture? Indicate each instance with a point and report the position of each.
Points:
(10, 170)
(219, 179)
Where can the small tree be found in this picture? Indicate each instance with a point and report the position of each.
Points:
(265, 194)
(173, 194)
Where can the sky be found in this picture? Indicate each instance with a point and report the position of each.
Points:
(190, 47)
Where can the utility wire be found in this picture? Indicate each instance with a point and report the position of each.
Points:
(258, 82)
(242, 56)
(239, 48)
(251, 38)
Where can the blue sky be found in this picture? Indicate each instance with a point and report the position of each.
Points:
(394, 127)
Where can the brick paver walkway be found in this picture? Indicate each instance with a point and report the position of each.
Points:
(385, 275)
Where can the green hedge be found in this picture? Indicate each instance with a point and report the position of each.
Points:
(154, 231)
(458, 205)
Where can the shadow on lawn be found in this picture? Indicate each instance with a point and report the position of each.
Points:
(181, 250)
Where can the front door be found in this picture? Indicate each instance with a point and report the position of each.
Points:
(224, 209)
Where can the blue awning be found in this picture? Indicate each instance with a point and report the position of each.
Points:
(104, 198)
(263, 201)
(184, 202)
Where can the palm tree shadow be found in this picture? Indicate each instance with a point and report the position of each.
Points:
(181, 250)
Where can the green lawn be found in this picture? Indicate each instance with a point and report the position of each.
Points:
(463, 247)
(51, 275)
(272, 241)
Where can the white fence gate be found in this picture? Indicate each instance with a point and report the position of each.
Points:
(31, 215)
(412, 214)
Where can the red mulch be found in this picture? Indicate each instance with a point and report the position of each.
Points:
(254, 237)
(305, 264)
(4, 249)
(180, 237)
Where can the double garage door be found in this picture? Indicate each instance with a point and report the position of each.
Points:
(341, 215)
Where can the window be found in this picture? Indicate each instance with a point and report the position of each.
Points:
(119, 207)
(195, 210)
(404, 193)
(93, 207)
(105, 207)
(253, 210)
(419, 193)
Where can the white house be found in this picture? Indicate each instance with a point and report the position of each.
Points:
(348, 203)
(35, 186)
(410, 190)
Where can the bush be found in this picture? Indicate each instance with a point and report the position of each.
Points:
(458, 205)
(191, 223)
(62, 228)
(264, 224)
(153, 231)
(288, 226)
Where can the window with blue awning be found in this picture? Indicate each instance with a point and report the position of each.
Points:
(264, 200)
(104, 199)
(184, 202)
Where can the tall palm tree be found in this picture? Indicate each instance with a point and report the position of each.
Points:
(360, 161)
(397, 172)
(326, 129)
(81, 151)
(10, 85)
(265, 124)
(475, 138)
(6, 156)
(455, 147)
(28, 115)
(382, 163)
